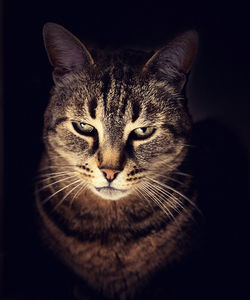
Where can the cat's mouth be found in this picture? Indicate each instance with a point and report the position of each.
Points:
(110, 193)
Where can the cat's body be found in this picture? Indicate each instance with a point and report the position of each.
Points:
(115, 201)
(115, 250)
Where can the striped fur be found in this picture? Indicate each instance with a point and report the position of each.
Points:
(116, 235)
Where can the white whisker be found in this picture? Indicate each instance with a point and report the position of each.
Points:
(157, 201)
(172, 179)
(51, 184)
(140, 193)
(53, 173)
(48, 176)
(182, 174)
(173, 198)
(56, 167)
(177, 192)
(166, 193)
(63, 188)
(61, 201)
(81, 189)
(165, 196)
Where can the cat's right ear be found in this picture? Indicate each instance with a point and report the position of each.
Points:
(174, 61)
(65, 52)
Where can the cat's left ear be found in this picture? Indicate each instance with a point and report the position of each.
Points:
(175, 60)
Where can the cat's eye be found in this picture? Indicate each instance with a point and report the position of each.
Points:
(142, 133)
(84, 128)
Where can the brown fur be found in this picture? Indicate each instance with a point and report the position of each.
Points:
(116, 245)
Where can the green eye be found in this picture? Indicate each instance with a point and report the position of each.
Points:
(142, 133)
(84, 128)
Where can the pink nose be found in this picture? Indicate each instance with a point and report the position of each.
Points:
(110, 174)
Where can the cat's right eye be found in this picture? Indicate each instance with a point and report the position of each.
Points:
(84, 129)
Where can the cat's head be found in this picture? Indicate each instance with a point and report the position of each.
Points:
(113, 121)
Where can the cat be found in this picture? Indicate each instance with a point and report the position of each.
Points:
(115, 199)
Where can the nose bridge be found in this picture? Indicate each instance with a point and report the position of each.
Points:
(111, 149)
(111, 157)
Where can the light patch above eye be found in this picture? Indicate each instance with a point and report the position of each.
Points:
(142, 133)
(84, 128)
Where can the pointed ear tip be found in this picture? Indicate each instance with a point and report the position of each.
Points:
(46, 27)
(50, 26)
(192, 35)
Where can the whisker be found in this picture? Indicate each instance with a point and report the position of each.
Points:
(56, 167)
(63, 188)
(173, 198)
(46, 177)
(61, 201)
(167, 194)
(82, 188)
(165, 198)
(182, 174)
(162, 193)
(140, 193)
(52, 173)
(158, 202)
(51, 184)
(177, 192)
(172, 179)
(181, 205)
(188, 145)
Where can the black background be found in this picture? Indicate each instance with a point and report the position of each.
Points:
(219, 89)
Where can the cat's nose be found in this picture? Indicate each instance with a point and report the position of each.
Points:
(110, 174)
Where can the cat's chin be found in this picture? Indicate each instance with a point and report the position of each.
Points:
(109, 193)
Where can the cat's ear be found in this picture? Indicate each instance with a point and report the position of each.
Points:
(175, 60)
(65, 52)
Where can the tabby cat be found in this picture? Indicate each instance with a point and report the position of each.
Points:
(115, 200)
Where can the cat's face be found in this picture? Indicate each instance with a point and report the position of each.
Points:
(116, 125)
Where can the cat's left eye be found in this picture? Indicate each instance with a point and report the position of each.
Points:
(142, 133)
(84, 128)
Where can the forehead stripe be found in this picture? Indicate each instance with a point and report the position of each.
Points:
(57, 122)
(60, 120)
(106, 83)
(92, 105)
(136, 109)
(125, 102)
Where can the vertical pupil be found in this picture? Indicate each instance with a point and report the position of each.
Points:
(142, 130)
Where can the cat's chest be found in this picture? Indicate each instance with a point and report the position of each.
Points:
(115, 263)
(117, 251)
(112, 264)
